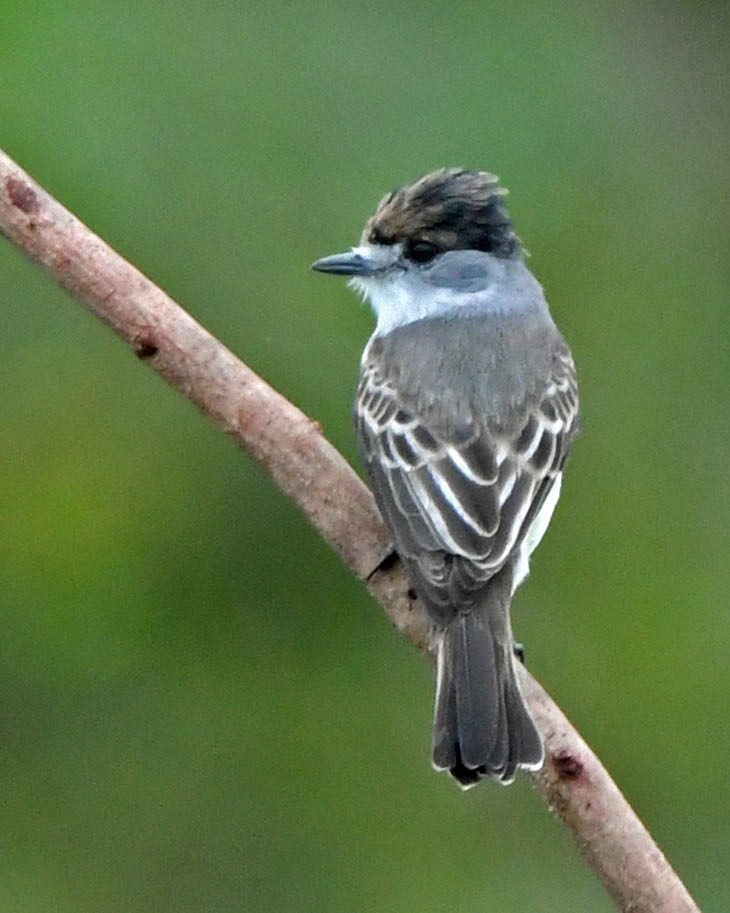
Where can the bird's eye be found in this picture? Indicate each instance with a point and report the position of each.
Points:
(420, 251)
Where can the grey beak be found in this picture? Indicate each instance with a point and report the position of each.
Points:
(349, 264)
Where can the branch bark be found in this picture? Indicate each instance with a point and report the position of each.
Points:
(291, 447)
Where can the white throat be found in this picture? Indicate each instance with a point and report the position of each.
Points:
(400, 291)
(396, 299)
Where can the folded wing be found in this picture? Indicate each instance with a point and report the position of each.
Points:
(461, 503)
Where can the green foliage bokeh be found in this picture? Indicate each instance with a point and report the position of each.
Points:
(201, 710)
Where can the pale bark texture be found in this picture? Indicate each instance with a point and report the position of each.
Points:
(291, 447)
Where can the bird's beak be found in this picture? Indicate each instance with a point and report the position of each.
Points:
(353, 263)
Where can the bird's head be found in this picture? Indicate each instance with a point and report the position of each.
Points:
(431, 246)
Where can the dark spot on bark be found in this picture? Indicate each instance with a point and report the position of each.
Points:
(412, 594)
(21, 195)
(146, 350)
(567, 766)
(145, 347)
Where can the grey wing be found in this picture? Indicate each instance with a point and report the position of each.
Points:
(460, 505)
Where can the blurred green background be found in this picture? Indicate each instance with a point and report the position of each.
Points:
(200, 710)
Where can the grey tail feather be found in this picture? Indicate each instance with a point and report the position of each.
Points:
(482, 726)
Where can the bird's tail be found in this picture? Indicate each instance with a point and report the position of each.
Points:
(481, 723)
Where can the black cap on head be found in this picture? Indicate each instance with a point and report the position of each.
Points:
(451, 209)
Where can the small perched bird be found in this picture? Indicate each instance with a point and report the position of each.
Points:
(466, 408)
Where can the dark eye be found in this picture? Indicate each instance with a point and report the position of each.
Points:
(420, 251)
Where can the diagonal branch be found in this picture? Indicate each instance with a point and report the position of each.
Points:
(293, 450)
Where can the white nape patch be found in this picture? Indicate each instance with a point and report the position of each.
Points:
(536, 532)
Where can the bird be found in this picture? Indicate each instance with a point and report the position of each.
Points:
(465, 411)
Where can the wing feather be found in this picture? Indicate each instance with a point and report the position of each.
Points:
(460, 505)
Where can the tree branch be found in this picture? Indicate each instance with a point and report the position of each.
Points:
(291, 447)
